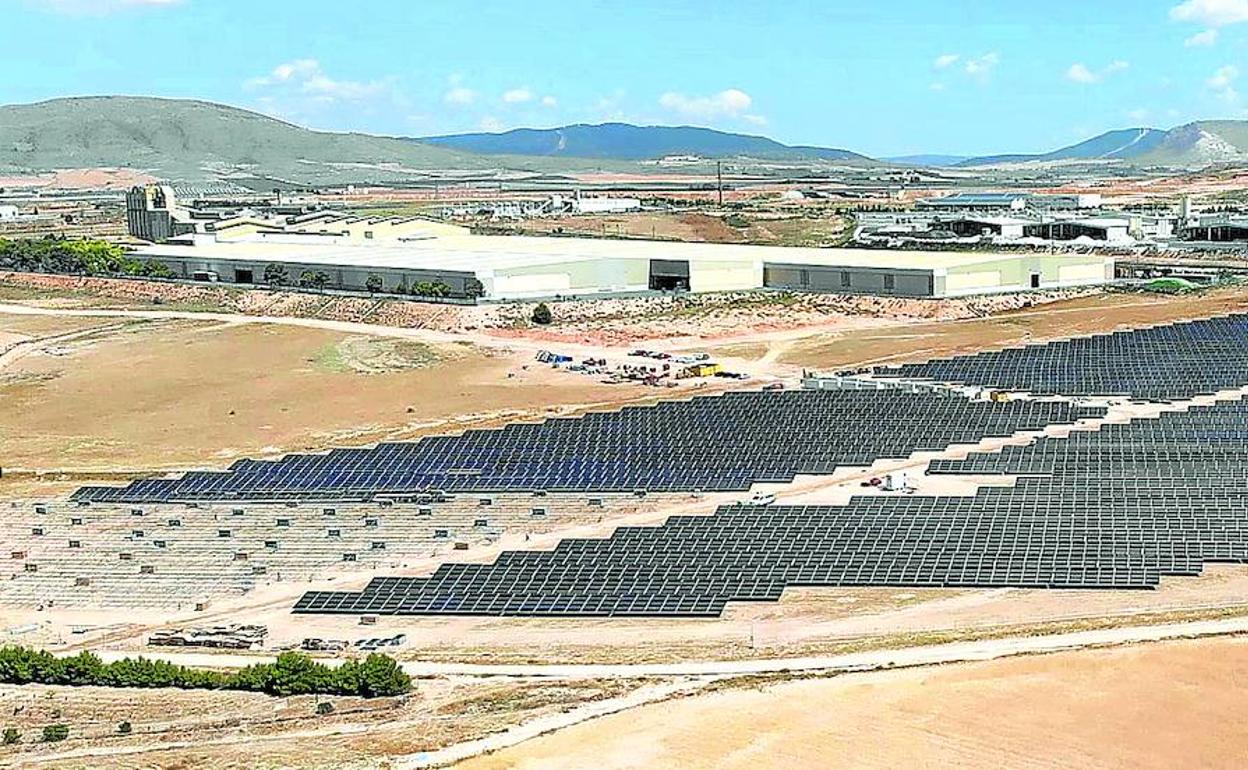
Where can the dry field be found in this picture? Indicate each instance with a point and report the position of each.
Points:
(168, 394)
(1164, 705)
(219, 730)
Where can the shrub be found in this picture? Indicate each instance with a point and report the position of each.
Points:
(324, 708)
(292, 673)
(542, 315)
(275, 274)
(55, 733)
(11, 736)
(373, 283)
(125, 728)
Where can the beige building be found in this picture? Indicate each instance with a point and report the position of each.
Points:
(521, 267)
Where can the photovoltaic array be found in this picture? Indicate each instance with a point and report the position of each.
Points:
(1117, 508)
(1162, 363)
(711, 443)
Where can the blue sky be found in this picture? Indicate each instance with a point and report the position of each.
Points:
(907, 76)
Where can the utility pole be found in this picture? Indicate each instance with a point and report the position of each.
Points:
(719, 180)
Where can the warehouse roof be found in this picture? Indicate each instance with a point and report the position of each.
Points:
(482, 253)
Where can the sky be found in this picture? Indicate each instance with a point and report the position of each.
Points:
(960, 77)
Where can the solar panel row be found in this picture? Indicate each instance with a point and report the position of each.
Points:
(1117, 508)
(1162, 363)
(712, 443)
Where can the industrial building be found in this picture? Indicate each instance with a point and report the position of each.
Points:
(521, 267)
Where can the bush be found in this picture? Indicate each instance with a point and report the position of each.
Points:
(292, 673)
(324, 708)
(11, 736)
(542, 315)
(55, 733)
(374, 283)
(275, 275)
(125, 728)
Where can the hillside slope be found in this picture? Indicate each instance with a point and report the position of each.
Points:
(1191, 145)
(192, 140)
(1123, 144)
(623, 141)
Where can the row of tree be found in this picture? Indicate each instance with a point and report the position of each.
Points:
(74, 257)
(291, 674)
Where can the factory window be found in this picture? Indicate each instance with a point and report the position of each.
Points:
(890, 282)
(244, 275)
(75, 543)
(368, 234)
(845, 282)
(335, 533)
(481, 523)
(348, 557)
(1035, 280)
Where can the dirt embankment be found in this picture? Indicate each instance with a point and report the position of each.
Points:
(615, 321)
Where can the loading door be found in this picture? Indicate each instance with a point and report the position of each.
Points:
(669, 275)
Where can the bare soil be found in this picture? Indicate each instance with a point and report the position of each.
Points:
(1164, 705)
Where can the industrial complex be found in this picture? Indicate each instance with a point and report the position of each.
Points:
(392, 255)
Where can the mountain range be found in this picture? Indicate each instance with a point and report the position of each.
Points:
(623, 141)
(195, 140)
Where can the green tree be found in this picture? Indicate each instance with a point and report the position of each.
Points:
(381, 676)
(125, 728)
(11, 736)
(276, 275)
(373, 283)
(541, 315)
(55, 733)
(314, 279)
(324, 708)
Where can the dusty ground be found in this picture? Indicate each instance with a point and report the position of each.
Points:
(187, 729)
(159, 394)
(1157, 706)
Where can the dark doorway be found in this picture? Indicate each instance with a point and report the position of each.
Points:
(669, 275)
(244, 275)
(1035, 280)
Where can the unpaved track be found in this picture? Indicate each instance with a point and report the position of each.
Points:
(926, 655)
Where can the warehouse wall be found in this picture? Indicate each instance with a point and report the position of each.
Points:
(593, 276)
(340, 277)
(1014, 274)
(897, 282)
(725, 275)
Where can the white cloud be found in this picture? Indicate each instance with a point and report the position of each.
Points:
(755, 120)
(731, 103)
(945, 61)
(1079, 72)
(99, 7)
(1211, 13)
(982, 66)
(305, 76)
(549, 101)
(1139, 116)
(1223, 77)
(460, 95)
(493, 125)
(517, 96)
(937, 86)
(1206, 38)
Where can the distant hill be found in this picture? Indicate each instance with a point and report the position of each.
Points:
(934, 160)
(623, 141)
(192, 140)
(1194, 144)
